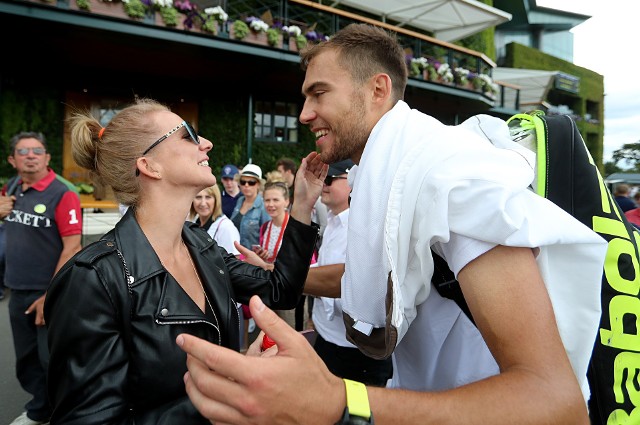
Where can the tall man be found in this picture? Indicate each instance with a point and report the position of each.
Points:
(341, 357)
(287, 167)
(43, 230)
(529, 272)
(230, 189)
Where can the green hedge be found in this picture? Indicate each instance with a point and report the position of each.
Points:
(31, 109)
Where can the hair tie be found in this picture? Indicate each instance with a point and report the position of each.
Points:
(100, 133)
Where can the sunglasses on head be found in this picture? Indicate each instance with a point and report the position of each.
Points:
(329, 179)
(36, 151)
(248, 182)
(190, 130)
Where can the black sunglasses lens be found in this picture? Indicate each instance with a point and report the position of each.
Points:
(248, 182)
(192, 133)
(328, 180)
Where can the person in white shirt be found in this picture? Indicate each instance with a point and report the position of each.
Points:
(530, 273)
(206, 210)
(341, 357)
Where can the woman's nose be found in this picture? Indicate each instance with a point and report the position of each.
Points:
(205, 144)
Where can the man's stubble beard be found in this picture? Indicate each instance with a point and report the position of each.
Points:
(350, 133)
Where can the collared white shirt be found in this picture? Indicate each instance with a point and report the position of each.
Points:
(327, 312)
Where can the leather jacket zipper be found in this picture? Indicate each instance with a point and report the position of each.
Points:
(191, 322)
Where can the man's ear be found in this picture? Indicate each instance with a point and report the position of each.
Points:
(12, 161)
(381, 88)
(145, 167)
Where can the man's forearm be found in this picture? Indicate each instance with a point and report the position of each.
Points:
(71, 245)
(324, 281)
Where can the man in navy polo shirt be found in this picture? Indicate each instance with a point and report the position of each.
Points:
(43, 230)
(230, 189)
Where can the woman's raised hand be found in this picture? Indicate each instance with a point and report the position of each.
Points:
(308, 186)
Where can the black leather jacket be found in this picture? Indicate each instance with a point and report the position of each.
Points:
(109, 366)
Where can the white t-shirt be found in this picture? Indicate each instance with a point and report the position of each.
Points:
(327, 312)
(224, 233)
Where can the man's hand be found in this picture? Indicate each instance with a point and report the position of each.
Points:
(6, 205)
(291, 387)
(38, 307)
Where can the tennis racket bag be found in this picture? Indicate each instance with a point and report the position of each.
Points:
(567, 175)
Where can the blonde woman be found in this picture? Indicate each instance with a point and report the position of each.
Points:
(206, 210)
(114, 310)
(249, 213)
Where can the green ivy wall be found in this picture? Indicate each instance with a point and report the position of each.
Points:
(591, 90)
(224, 122)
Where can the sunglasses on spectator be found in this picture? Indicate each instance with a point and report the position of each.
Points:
(329, 179)
(192, 135)
(36, 151)
(248, 182)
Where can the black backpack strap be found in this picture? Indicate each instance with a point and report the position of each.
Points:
(447, 285)
(12, 185)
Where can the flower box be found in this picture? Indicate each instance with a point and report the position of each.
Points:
(108, 8)
(256, 38)
(252, 37)
(114, 9)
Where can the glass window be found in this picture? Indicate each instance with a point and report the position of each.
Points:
(276, 122)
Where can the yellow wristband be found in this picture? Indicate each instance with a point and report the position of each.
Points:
(357, 399)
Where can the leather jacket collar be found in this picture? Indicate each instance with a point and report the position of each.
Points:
(142, 260)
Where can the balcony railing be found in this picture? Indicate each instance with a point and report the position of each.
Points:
(428, 59)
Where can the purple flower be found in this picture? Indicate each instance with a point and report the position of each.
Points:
(184, 5)
(312, 36)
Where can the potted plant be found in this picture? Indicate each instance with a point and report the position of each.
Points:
(257, 25)
(214, 17)
(83, 4)
(417, 66)
(297, 41)
(134, 8)
(192, 16)
(169, 15)
(240, 30)
(444, 73)
(461, 76)
(274, 37)
(301, 41)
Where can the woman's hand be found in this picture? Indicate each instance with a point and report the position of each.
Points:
(308, 186)
(262, 253)
(252, 257)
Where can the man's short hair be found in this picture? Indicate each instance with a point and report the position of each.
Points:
(621, 189)
(365, 50)
(287, 165)
(26, 135)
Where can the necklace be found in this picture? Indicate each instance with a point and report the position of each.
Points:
(199, 281)
(276, 246)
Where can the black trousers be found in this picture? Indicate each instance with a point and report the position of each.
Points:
(350, 363)
(32, 354)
